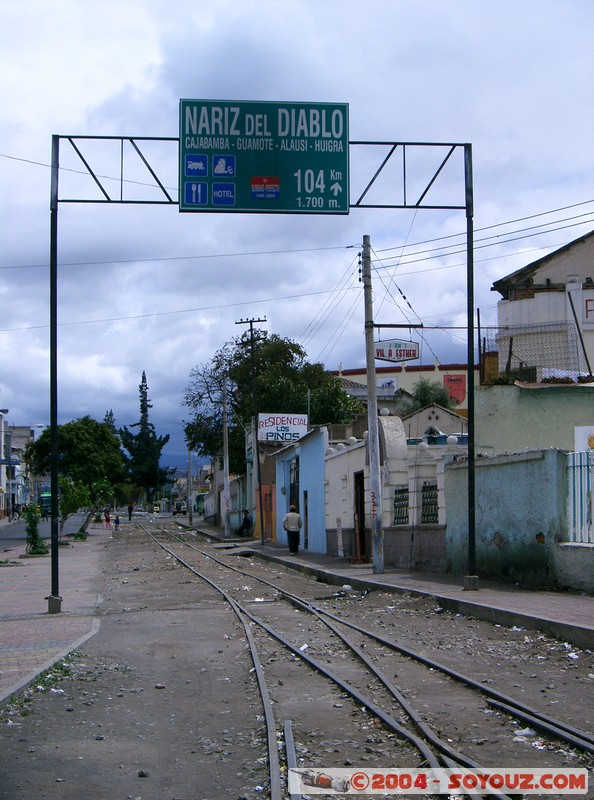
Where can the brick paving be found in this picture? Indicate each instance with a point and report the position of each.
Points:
(31, 639)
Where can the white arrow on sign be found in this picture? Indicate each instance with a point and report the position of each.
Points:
(336, 188)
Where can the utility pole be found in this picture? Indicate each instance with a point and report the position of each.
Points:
(375, 483)
(225, 460)
(190, 504)
(255, 445)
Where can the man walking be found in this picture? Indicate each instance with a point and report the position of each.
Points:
(292, 524)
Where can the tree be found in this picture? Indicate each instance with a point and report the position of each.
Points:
(204, 395)
(273, 371)
(143, 449)
(425, 393)
(109, 419)
(74, 496)
(90, 463)
(35, 544)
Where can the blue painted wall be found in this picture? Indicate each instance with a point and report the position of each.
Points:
(310, 449)
(520, 516)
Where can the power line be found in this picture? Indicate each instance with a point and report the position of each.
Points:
(427, 241)
(492, 244)
(160, 259)
(403, 259)
(495, 225)
(400, 247)
(337, 294)
(251, 302)
(329, 306)
(167, 313)
(335, 337)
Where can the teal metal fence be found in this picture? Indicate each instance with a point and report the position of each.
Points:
(580, 482)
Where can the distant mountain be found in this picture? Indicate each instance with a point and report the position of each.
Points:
(178, 461)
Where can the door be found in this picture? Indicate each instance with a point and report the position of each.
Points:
(359, 517)
(305, 522)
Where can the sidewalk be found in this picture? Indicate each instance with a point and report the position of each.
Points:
(32, 640)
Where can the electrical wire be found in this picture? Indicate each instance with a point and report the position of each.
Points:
(162, 259)
(476, 246)
(335, 337)
(330, 305)
(335, 297)
(412, 222)
(166, 313)
(499, 225)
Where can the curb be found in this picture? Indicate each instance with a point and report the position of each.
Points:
(23, 683)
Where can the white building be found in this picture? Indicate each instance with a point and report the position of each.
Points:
(546, 316)
(3, 471)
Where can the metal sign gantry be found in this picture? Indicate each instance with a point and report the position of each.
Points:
(123, 169)
(144, 170)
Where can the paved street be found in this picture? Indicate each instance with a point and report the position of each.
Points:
(13, 532)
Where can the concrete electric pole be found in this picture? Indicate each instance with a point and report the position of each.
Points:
(256, 444)
(226, 490)
(375, 483)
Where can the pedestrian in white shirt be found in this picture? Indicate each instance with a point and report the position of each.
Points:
(292, 523)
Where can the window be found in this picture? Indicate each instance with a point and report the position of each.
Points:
(429, 504)
(294, 482)
(401, 505)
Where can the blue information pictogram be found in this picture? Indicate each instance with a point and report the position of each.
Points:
(196, 165)
(196, 193)
(264, 157)
(223, 166)
(223, 194)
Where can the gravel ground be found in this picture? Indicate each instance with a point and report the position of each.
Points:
(162, 703)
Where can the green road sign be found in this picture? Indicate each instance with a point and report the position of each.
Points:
(262, 157)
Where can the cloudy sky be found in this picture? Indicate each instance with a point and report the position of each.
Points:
(148, 288)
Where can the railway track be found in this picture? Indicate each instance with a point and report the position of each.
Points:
(418, 722)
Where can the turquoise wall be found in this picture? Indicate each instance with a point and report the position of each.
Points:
(520, 516)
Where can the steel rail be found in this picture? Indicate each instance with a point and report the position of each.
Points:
(444, 748)
(448, 756)
(561, 730)
(426, 752)
(273, 760)
(550, 724)
(365, 701)
(539, 722)
(291, 755)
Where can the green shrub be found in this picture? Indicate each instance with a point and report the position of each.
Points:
(35, 544)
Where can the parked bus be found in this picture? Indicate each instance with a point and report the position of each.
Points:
(45, 504)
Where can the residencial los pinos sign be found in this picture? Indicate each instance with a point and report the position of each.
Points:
(282, 427)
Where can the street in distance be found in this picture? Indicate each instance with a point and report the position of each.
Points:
(264, 157)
